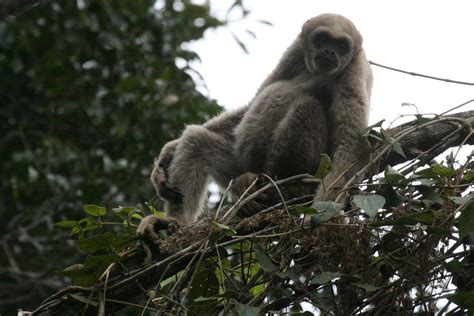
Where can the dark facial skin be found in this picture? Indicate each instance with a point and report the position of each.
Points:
(329, 48)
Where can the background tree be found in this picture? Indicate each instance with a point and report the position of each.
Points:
(90, 91)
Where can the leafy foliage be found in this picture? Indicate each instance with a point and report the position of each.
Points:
(401, 246)
(93, 89)
(90, 92)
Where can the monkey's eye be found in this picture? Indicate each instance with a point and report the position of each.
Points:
(321, 38)
(341, 44)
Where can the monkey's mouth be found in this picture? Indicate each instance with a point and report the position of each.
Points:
(325, 61)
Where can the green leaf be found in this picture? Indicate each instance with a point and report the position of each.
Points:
(396, 146)
(369, 203)
(226, 229)
(88, 273)
(462, 299)
(68, 224)
(76, 270)
(367, 287)
(94, 210)
(303, 210)
(322, 217)
(327, 206)
(124, 211)
(107, 242)
(425, 218)
(202, 299)
(468, 177)
(325, 166)
(443, 171)
(460, 200)
(453, 266)
(426, 173)
(327, 210)
(422, 119)
(205, 284)
(366, 130)
(97, 261)
(87, 224)
(265, 262)
(325, 277)
(295, 277)
(245, 310)
(83, 299)
(96, 243)
(466, 221)
(394, 177)
(392, 197)
(430, 194)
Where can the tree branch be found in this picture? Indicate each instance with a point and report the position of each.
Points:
(422, 140)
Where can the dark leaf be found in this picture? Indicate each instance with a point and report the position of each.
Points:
(325, 166)
(394, 177)
(265, 262)
(462, 299)
(443, 171)
(466, 221)
(325, 277)
(245, 310)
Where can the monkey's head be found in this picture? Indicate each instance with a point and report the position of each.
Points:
(330, 41)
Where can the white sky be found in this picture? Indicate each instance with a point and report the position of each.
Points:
(425, 36)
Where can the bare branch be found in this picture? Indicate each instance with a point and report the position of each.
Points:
(421, 75)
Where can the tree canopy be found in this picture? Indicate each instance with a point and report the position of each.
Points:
(90, 92)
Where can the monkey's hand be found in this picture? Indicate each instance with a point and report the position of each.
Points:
(160, 176)
(150, 226)
(164, 189)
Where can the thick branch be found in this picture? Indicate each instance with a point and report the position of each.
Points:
(433, 139)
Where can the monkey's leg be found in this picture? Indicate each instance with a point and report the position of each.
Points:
(299, 140)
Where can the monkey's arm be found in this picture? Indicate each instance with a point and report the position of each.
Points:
(223, 125)
(182, 169)
(348, 117)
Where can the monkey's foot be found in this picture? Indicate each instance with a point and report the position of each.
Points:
(149, 227)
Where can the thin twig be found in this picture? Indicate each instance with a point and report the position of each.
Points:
(421, 75)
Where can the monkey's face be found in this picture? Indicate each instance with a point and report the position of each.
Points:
(329, 46)
(326, 53)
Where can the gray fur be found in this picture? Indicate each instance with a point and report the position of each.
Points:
(315, 101)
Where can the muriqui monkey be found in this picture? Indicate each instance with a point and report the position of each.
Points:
(315, 101)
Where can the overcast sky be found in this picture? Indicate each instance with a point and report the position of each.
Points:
(430, 37)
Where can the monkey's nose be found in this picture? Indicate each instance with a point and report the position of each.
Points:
(329, 52)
